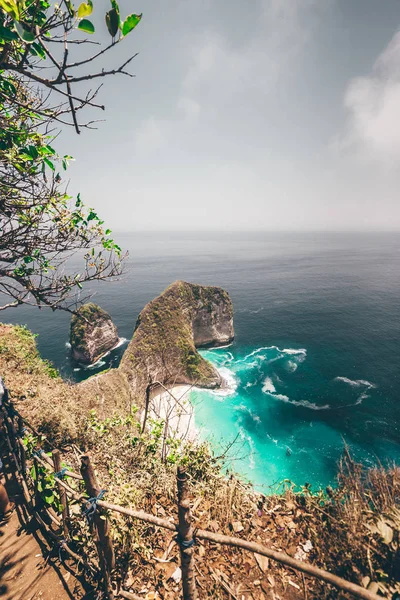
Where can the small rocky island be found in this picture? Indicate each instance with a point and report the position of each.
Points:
(92, 334)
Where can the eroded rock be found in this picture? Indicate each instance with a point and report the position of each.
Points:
(168, 331)
(92, 334)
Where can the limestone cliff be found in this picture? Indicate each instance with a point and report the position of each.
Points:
(92, 334)
(168, 331)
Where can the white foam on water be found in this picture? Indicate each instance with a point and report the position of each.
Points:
(356, 382)
(96, 365)
(230, 383)
(247, 410)
(221, 347)
(311, 405)
(303, 403)
(121, 342)
(249, 384)
(268, 386)
(230, 357)
(256, 352)
(67, 345)
(248, 439)
(291, 366)
(301, 351)
(359, 400)
(280, 397)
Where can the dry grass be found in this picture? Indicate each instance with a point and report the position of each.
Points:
(351, 530)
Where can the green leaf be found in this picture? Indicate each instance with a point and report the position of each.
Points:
(11, 8)
(86, 25)
(112, 21)
(130, 23)
(85, 10)
(38, 50)
(33, 151)
(49, 498)
(49, 164)
(114, 4)
(7, 34)
(26, 36)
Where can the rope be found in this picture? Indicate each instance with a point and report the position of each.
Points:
(61, 474)
(61, 545)
(183, 543)
(90, 508)
(3, 392)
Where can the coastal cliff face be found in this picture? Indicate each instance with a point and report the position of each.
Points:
(92, 334)
(168, 331)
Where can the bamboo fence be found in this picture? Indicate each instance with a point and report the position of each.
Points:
(95, 510)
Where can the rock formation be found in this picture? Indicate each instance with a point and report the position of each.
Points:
(92, 334)
(168, 331)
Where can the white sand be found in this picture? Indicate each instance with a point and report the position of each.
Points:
(174, 405)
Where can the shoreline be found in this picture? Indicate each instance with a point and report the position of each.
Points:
(173, 406)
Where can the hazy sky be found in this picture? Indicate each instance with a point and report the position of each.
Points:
(265, 114)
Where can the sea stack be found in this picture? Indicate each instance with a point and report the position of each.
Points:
(92, 334)
(168, 331)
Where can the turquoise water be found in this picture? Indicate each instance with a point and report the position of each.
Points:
(315, 361)
(278, 432)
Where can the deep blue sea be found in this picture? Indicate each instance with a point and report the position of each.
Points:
(316, 358)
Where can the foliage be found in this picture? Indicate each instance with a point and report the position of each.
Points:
(21, 345)
(352, 529)
(41, 224)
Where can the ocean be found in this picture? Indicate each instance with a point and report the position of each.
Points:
(315, 361)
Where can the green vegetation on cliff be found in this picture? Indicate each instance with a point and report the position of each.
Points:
(85, 317)
(163, 347)
(352, 530)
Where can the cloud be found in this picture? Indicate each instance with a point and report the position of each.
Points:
(150, 136)
(226, 79)
(373, 105)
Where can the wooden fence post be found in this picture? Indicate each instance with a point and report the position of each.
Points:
(101, 525)
(61, 491)
(185, 538)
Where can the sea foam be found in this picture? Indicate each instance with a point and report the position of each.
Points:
(268, 386)
(230, 383)
(356, 382)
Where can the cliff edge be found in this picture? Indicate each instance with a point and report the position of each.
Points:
(168, 331)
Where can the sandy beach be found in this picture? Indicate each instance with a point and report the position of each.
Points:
(174, 406)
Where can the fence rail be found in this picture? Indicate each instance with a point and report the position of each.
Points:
(95, 508)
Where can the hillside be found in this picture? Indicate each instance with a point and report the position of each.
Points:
(352, 530)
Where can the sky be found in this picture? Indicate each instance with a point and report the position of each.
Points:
(257, 115)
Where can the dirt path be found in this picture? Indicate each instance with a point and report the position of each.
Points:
(29, 568)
